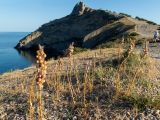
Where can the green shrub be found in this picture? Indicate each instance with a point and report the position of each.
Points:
(109, 44)
(125, 14)
(139, 42)
(141, 102)
(149, 22)
(100, 72)
(79, 50)
(134, 34)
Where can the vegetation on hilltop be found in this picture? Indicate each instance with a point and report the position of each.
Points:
(142, 19)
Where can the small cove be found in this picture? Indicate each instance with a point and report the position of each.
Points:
(10, 58)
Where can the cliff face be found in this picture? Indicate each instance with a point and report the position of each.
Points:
(86, 27)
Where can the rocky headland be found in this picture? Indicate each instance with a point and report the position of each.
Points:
(87, 28)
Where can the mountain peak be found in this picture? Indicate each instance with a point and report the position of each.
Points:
(80, 8)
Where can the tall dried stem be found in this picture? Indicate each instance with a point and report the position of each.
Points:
(145, 49)
(31, 108)
(41, 70)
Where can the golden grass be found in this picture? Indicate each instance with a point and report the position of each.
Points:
(89, 81)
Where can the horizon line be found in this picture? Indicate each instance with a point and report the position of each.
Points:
(13, 31)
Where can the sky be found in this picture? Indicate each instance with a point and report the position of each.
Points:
(28, 15)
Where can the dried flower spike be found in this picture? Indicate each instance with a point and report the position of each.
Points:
(146, 49)
(41, 66)
(131, 47)
(70, 50)
(41, 70)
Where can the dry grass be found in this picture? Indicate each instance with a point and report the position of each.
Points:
(90, 84)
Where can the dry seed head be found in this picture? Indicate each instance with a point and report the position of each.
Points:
(123, 39)
(59, 62)
(41, 66)
(145, 48)
(131, 47)
(70, 50)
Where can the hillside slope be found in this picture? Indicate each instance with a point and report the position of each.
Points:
(86, 27)
(86, 86)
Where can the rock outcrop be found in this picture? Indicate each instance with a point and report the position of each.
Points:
(80, 9)
(86, 27)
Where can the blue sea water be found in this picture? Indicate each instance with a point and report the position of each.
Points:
(10, 58)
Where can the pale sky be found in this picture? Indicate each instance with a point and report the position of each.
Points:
(28, 15)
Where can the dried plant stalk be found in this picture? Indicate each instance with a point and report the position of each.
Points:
(145, 49)
(41, 69)
(70, 50)
(131, 47)
(31, 108)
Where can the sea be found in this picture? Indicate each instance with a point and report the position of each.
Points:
(10, 58)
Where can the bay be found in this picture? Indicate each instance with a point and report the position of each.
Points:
(10, 58)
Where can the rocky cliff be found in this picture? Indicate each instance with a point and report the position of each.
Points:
(86, 27)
